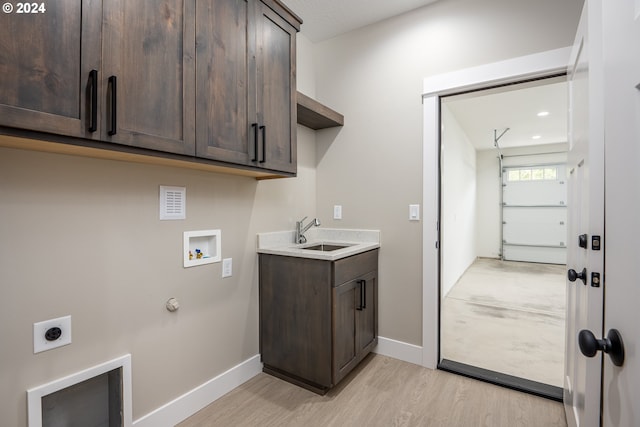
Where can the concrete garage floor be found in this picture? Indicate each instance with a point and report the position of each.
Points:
(508, 317)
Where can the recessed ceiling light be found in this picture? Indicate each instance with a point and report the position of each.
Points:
(536, 137)
(543, 114)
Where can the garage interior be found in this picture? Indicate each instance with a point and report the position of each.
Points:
(503, 230)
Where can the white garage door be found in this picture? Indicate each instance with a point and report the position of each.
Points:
(534, 213)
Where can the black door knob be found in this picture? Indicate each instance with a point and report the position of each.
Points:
(573, 275)
(612, 345)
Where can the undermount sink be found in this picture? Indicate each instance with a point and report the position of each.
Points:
(329, 244)
(324, 247)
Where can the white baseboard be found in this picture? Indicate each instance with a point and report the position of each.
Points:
(399, 350)
(194, 400)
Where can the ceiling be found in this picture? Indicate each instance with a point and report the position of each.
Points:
(479, 113)
(514, 107)
(324, 19)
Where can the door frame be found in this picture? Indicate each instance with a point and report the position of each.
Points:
(535, 66)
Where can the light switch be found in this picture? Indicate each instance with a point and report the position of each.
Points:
(337, 212)
(414, 212)
(227, 267)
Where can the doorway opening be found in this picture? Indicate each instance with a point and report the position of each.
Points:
(503, 234)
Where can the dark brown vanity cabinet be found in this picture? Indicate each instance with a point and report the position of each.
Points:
(245, 83)
(318, 319)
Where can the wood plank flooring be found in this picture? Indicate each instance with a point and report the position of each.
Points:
(382, 391)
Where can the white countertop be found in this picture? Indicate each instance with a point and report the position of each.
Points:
(283, 243)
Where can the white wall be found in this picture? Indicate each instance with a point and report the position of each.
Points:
(458, 202)
(81, 237)
(488, 224)
(373, 165)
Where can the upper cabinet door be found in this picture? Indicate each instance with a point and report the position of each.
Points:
(226, 124)
(148, 77)
(276, 90)
(46, 82)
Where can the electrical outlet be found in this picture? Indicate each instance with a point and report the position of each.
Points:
(51, 334)
(227, 267)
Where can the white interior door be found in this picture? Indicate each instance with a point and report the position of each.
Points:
(582, 389)
(534, 213)
(621, 385)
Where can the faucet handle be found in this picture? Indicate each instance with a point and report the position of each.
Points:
(302, 220)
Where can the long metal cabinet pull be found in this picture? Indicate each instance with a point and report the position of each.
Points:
(114, 105)
(93, 84)
(362, 288)
(255, 142)
(263, 128)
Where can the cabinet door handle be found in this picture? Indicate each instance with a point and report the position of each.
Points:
(255, 142)
(93, 93)
(361, 290)
(263, 128)
(113, 84)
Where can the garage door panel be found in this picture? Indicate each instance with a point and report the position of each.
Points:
(535, 254)
(537, 226)
(543, 214)
(534, 214)
(552, 193)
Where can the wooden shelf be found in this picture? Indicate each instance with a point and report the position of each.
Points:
(314, 115)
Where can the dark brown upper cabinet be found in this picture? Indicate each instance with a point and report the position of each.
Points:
(276, 87)
(206, 82)
(225, 66)
(147, 80)
(45, 67)
(245, 83)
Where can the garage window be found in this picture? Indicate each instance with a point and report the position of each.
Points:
(533, 174)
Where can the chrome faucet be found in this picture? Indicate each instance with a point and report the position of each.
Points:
(301, 229)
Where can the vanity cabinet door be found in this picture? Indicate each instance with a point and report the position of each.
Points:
(367, 334)
(345, 322)
(46, 60)
(355, 323)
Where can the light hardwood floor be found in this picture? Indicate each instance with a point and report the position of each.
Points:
(382, 391)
